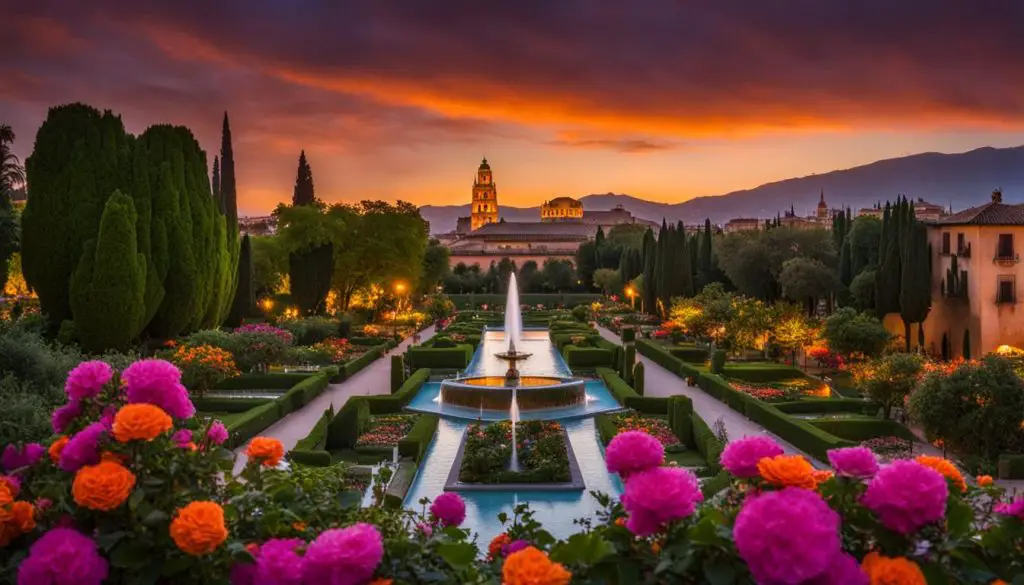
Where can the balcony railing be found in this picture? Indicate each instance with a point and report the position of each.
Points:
(1003, 259)
(964, 252)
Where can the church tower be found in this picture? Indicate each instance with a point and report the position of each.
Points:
(822, 207)
(485, 198)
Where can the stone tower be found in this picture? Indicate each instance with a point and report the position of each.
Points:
(485, 198)
(822, 206)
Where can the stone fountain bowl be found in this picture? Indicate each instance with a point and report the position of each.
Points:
(532, 392)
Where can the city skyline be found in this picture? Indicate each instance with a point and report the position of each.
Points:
(402, 101)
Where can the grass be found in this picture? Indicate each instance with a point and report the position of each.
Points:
(225, 417)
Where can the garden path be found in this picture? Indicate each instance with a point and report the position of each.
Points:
(660, 382)
(373, 379)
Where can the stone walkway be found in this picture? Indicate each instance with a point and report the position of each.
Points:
(660, 382)
(373, 379)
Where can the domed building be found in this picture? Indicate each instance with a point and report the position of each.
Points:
(561, 208)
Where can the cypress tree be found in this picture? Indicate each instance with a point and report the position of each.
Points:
(216, 184)
(650, 251)
(915, 287)
(889, 276)
(967, 344)
(108, 287)
(705, 249)
(845, 269)
(244, 303)
(663, 266)
(310, 272)
(304, 192)
(684, 268)
(228, 195)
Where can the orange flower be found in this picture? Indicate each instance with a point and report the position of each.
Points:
(655, 547)
(620, 521)
(530, 566)
(382, 581)
(198, 528)
(822, 476)
(883, 570)
(788, 471)
(266, 450)
(11, 484)
(494, 549)
(6, 498)
(143, 422)
(56, 447)
(299, 526)
(104, 486)
(20, 520)
(984, 480)
(946, 468)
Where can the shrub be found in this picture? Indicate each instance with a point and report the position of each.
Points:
(416, 442)
(213, 338)
(862, 429)
(1011, 466)
(616, 385)
(889, 380)
(395, 402)
(648, 404)
(452, 358)
(694, 355)
(443, 342)
(638, 378)
(350, 422)
(718, 361)
(580, 313)
(204, 366)
(825, 406)
(628, 334)
(680, 413)
(252, 423)
(628, 359)
(300, 394)
(800, 433)
(588, 357)
(397, 372)
(255, 350)
(213, 403)
(310, 330)
(354, 366)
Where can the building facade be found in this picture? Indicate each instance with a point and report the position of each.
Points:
(561, 209)
(485, 198)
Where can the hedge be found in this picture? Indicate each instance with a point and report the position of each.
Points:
(690, 354)
(302, 393)
(419, 437)
(352, 367)
(648, 404)
(350, 422)
(447, 358)
(310, 450)
(803, 435)
(720, 389)
(618, 387)
(473, 300)
(680, 413)
(1011, 467)
(212, 403)
(393, 403)
(588, 357)
(397, 372)
(826, 406)
(715, 484)
(638, 378)
(862, 429)
(268, 381)
(606, 428)
(659, 355)
(627, 360)
(252, 423)
(763, 372)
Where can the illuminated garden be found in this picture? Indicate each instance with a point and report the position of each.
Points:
(335, 403)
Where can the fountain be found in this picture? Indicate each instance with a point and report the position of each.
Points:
(513, 332)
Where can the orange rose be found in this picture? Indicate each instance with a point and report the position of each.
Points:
(883, 570)
(11, 484)
(6, 498)
(56, 447)
(104, 486)
(266, 450)
(198, 528)
(494, 549)
(20, 520)
(299, 526)
(822, 476)
(140, 422)
(947, 469)
(530, 566)
(382, 581)
(984, 480)
(788, 471)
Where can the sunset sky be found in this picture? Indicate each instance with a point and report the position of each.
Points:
(662, 99)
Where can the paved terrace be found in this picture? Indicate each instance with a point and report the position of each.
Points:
(373, 379)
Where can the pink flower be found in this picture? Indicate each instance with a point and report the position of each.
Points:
(449, 509)
(426, 529)
(740, 457)
(659, 495)
(88, 379)
(855, 462)
(158, 382)
(907, 495)
(343, 556)
(182, 438)
(514, 546)
(83, 448)
(13, 484)
(64, 416)
(787, 537)
(1014, 508)
(278, 564)
(633, 451)
(845, 570)
(108, 415)
(15, 457)
(63, 556)
(218, 433)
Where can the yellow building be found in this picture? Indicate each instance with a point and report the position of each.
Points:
(485, 198)
(561, 208)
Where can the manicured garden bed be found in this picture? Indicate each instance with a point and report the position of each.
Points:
(488, 453)
(386, 430)
(657, 426)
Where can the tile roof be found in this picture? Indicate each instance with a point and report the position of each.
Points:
(991, 213)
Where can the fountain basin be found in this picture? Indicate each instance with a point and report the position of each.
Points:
(532, 392)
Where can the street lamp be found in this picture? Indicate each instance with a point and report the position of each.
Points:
(399, 290)
(631, 293)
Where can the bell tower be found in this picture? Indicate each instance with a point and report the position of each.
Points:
(485, 198)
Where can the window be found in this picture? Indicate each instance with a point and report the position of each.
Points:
(1005, 249)
(960, 244)
(945, 243)
(1007, 291)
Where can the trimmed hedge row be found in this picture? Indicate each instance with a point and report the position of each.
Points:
(310, 449)
(472, 300)
(419, 437)
(659, 355)
(302, 393)
(352, 367)
(268, 381)
(210, 403)
(802, 434)
(620, 390)
(441, 358)
(862, 429)
(680, 419)
(394, 403)
(261, 416)
(252, 423)
(693, 354)
(827, 406)
(761, 372)
(588, 357)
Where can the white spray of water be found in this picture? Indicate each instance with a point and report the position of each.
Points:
(513, 315)
(513, 414)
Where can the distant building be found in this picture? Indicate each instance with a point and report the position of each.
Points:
(822, 219)
(742, 224)
(485, 198)
(923, 210)
(561, 209)
(265, 225)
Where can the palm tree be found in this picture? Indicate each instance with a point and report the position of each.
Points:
(12, 174)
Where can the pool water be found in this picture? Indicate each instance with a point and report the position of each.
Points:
(555, 509)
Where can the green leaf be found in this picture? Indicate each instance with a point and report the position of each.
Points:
(457, 554)
(582, 548)
(136, 498)
(176, 565)
(719, 574)
(155, 518)
(239, 553)
(959, 517)
(108, 540)
(503, 518)
(933, 574)
(706, 533)
(130, 554)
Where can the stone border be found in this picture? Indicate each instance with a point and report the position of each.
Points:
(575, 483)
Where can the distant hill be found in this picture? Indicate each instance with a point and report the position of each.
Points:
(963, 180)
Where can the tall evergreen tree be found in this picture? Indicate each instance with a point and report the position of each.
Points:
(216, 184)
(304, 193)
(683, 264)
(108, 287)
(915, 288)
(889, 276)
(663, 266)
(845, 269)
(650, 252)
(704, 265)
(310, 272)
(244, 304)
(228, 194)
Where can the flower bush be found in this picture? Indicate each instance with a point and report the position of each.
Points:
(657, 427)
(203, 366)
(263, 329)
(386, 431)
(488, 452)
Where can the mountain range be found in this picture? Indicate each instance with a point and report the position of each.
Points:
(958, 180)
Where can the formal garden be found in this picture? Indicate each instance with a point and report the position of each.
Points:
(151, 345)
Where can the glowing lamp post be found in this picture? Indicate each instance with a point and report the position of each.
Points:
(399, 291)
(631, 293)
